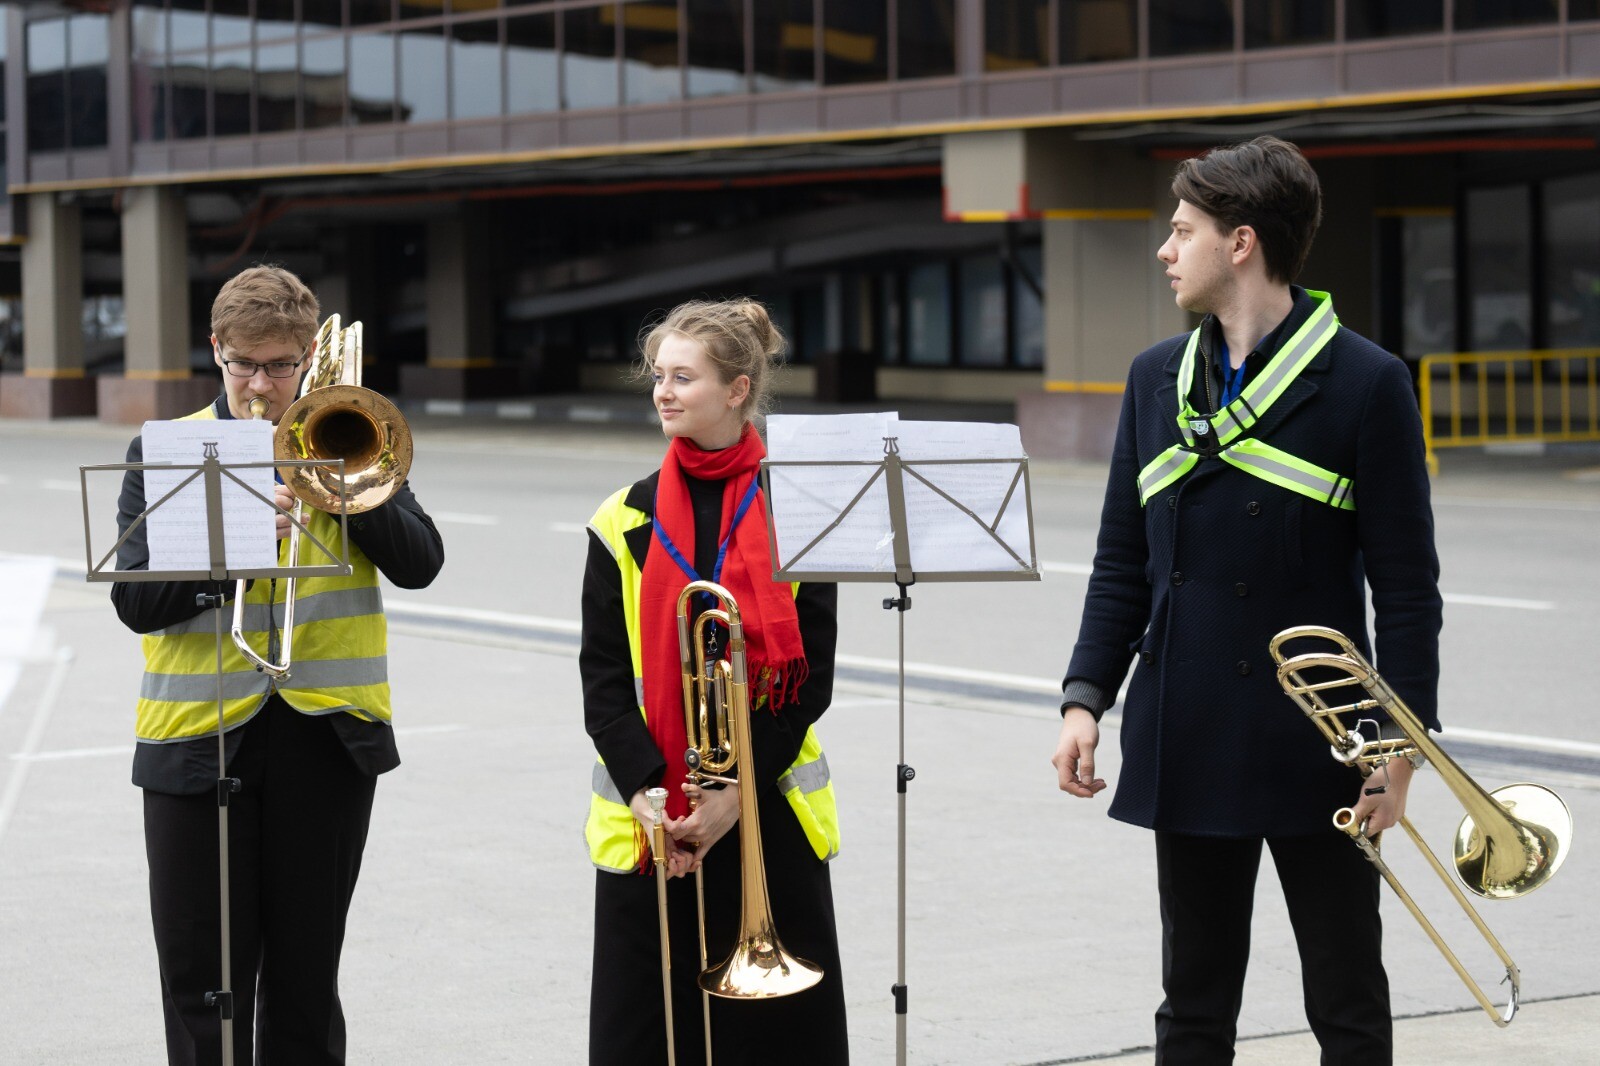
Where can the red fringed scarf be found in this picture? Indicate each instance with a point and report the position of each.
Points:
(774, 654)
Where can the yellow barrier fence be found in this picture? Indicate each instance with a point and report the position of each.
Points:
(1477, 398)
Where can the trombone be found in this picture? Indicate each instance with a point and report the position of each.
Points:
(333, 418)
(716, 706)
(1511, 841)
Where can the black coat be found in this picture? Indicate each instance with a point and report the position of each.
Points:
(1196, 583)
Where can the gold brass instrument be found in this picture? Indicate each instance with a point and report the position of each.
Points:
(1511, 841)
(658, 848)
(333, 418)
(716, 704)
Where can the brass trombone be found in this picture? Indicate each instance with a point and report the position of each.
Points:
(716, 705)
(333, 418)
(1511, 841)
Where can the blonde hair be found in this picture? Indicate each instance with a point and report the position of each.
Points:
(738, 337)
(261, 305)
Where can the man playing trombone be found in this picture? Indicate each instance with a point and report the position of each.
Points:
(1268, 467)
(306, 747)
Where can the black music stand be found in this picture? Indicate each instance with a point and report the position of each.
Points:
(211, 471)
(894, 471)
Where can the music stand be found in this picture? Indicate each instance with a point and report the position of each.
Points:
(211, 471)
(894, 470)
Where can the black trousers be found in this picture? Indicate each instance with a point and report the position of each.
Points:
(1207, 893)
(296, 831)
(627, 1012)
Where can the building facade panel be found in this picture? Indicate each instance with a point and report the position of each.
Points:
(1290, 76)
(1192, 83)
(1402, 65)
(1019, 96)
(1512, 59)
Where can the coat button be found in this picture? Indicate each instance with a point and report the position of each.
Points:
(1253, 507)
(1242, 589)
(1147, 657)
(1172, 503)
(1177, 577)
(1243, 668)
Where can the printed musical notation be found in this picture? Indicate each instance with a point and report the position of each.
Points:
(966, 503)
(178, 532)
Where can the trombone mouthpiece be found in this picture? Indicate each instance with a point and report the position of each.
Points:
(258, 406)
(657, 798)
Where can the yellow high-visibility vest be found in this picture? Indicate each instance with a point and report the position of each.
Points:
(340, 651)
(1253, 456)
(613, 844)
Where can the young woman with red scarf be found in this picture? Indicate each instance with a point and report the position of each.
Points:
(702, 515)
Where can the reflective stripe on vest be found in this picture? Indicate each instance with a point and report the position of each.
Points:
(1253, 456)
(614, 844)
(340, 650)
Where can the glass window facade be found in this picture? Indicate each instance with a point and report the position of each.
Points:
(1097, 31)
(372, 71)
(277, 87)
(785, 45)
(1572, 261)
(1276, 23)
(475, 81)
(926, 35)
(1499, 256)
(322, 81)
(855, 42)
(1385, 18)
(983, 312)
(927, 314)
(1016, 34)
(1487, 14)
(716, 47)
(1183, 27)
(651, 72)
(589, 58)
(532, 75)
(66, 82)
(422, 75)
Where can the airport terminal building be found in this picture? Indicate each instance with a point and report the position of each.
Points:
(953, 200)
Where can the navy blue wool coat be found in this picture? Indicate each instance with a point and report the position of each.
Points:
(1192, 587)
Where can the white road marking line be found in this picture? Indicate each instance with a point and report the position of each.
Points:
(1467, 599)
(1084, 569)
(460, 519)
(568, 527)
(57, 485)
(1521, 740)
(954, 673)
(412, 609)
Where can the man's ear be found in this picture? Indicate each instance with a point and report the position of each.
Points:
(216, 351)
(1243, 245)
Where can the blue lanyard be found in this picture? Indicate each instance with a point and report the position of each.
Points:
(1233, 379)
(722, 550)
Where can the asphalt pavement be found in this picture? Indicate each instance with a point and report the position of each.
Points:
(1031, 925)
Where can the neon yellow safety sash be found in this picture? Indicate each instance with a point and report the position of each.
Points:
(1255, 457)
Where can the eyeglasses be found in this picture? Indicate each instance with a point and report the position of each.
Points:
(245, 368)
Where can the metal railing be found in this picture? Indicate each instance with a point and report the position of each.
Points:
(1478, 398)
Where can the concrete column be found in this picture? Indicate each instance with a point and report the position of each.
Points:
(460, 309)
(157, 381)
(52, 383)
(1104, 213)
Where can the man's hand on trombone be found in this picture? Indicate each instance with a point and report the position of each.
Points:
(1382, 802)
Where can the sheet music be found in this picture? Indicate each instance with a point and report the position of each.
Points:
(807, 499)
(178, 537)
(942, 536)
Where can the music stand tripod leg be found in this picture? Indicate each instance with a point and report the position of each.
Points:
(902, 775)
(226, 786)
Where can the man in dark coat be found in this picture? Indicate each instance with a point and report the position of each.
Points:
(1268, 469)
